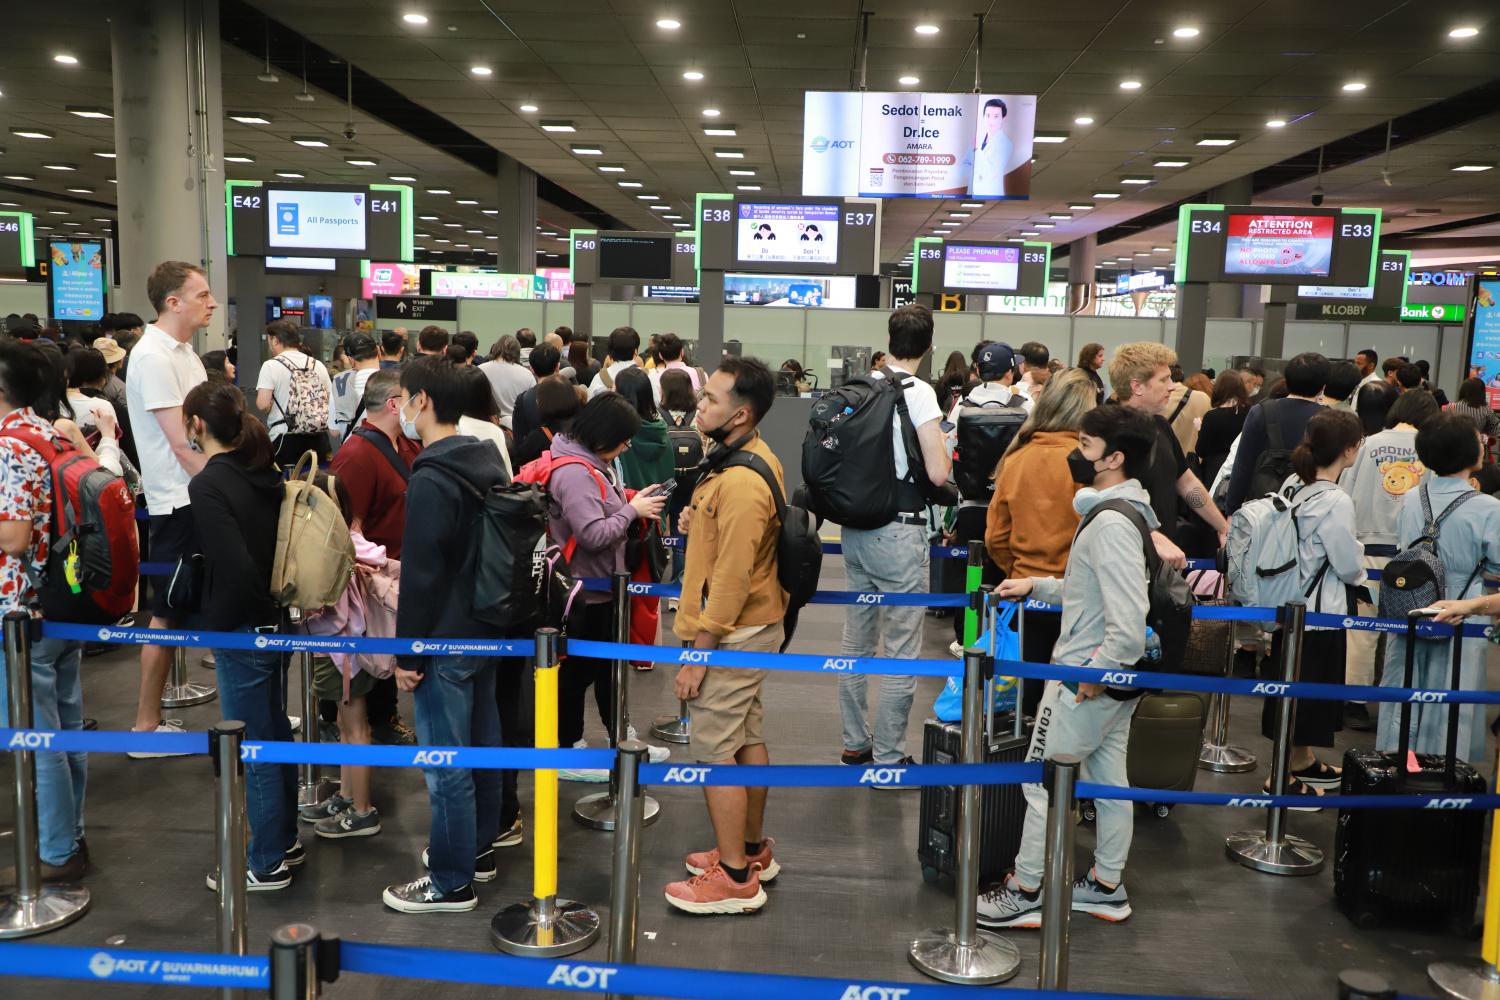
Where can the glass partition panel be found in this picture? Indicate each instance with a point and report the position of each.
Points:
(767, 332)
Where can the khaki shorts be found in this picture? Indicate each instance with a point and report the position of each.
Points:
(727, 713)
(328, 683)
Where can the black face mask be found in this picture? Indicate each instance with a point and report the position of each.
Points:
(1082, 469)
(719, 434)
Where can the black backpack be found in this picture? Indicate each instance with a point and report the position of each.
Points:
(1415, 576)
(985, 430)
(1170, 612)
(848, 455)
(511, 576)
(687, 443)
(799, 550)
(1273, 465)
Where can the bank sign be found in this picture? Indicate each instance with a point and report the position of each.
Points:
(1441, 312)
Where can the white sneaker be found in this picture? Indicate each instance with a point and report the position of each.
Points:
(165, 726)
(591, 774)
(296, 721)
(654, 754)
(956, 648)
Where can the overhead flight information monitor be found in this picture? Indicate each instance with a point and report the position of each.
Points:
(978, 267)
(788, 235)
(629, 258)
(1378, 302)
(322, 220)
(1254, 245)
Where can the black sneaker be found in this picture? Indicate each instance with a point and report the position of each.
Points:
(1357, 717)
(422, 896)
(906, 761)
(485, 868)
(255, 882)
(858, 758)
(331, 806)
(295, 855)
(394, 733)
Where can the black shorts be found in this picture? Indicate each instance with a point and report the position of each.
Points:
(172, 537)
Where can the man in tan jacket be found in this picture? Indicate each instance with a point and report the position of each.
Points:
(730, 600)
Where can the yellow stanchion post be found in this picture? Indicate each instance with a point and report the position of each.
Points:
(545, 926)
(1479, 980)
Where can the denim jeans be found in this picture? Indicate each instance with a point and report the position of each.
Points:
(456, 708)
(892, 559)
(252, 689)
(56, 703)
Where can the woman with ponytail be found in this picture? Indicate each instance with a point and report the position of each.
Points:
(1331, 561)
(236, 504)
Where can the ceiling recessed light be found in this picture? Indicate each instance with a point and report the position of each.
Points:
(611, 168)
(428, 218)
(1276, 123)
(481, 71)
(42, 229)
(75, 224)
(971, 204)
(403, 178)
(1130, 85)
(57, 211)
(359, 161)
(438, 191)
(109, 154)
(310, 141)
(228, 157)
(1465, 31)
(747, 187)
(1080, 206)
(1044, 225)
(90, 112)
(474, 232)
(730, 154)
(557, 125)
(467, 201)
(1030, 232)
(490, 211)
(1161, 249)
(81, 190)
(1106, 195)
(414, 18)
(741, 171)
(587, 150)
(31, 133)
(1059, 216)
(453, 225)
(441, 239)
(1083, 120)
(1186, 31)
(680, 225)
(711, 112)
(1354, 86)
(1218, 140)
(290, 175)
(671, 216)
(1050, 137)
(529, 109)
(60, 166)
(491, 236)
(909, 80)
(647, 197)
(722, 131)
(630, 184)
(249, 118)
(1137, 179)
(926, 29)
(949, 224)
(103, 220)
(1171, 161)
(1473, 168)
(668, 23)
(959, 215)
(65, 59)
(692, 74)
(19, 177)
(660, 208)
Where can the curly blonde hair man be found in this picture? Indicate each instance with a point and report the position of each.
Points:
(1137, 363)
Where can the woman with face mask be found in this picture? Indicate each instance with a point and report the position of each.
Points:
(238, 496)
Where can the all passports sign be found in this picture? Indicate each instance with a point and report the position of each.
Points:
(422, 309)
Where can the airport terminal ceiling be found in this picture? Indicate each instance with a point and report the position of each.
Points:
(1133, 89)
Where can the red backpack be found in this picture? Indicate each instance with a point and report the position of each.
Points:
(94, 559)
(539, 472)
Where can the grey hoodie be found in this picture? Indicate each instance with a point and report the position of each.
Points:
(1103, 593)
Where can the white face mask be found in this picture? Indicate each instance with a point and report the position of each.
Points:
(408, 427)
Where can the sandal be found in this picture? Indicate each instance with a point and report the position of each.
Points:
(1295, 786)
(1320, 775)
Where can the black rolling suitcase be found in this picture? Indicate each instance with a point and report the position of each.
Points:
(1413, 866)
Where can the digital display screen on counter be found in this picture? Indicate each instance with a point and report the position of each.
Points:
(788, 233)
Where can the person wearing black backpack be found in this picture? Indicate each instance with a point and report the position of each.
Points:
(1263, 458)
(1105, 609)
(732, 599)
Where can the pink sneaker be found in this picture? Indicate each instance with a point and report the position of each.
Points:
(715, 892)
(701, 861)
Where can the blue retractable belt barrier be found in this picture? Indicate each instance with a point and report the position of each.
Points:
(882, 598)
(1090, 790)
(838, 775)
(766, 661)
(287, 642)
(121, 965)
(103, 741)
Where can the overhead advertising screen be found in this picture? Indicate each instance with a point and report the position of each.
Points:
(788, 233)
(1279, 244)
(390, 279)
(995, 268)
(76, 280)
(642, 258)
(918, 145)
(1484, 338)
(483, 286)
(311, 220)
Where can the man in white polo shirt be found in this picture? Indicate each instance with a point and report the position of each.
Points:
(163, 367)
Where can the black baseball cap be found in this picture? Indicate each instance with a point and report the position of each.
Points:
(359, 346)
(994, 360)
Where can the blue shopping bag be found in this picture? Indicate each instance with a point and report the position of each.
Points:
(949, 706)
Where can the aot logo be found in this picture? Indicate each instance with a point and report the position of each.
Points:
(839, 663)
(30, 741)
(105, 635)
(261, 642)
(417, 645)
(437, 758)
(822, 144)
(1117, 677)
(639, 588)
(1267, 687)
(101, 965)
(882, 776)
(1255, 803)
(1348, 623)
(1429, 696)
(858, 992)
(581, 977)
(1449, 804)
(693, 656)
(686, 775)
(869, 599)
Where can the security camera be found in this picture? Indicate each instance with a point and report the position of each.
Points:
(349, 132)
(1317, 196)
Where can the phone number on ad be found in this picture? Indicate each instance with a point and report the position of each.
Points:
(920, 159)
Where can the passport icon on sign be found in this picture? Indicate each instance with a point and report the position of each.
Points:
(286, 219)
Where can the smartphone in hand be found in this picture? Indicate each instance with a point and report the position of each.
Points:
(664, 489)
